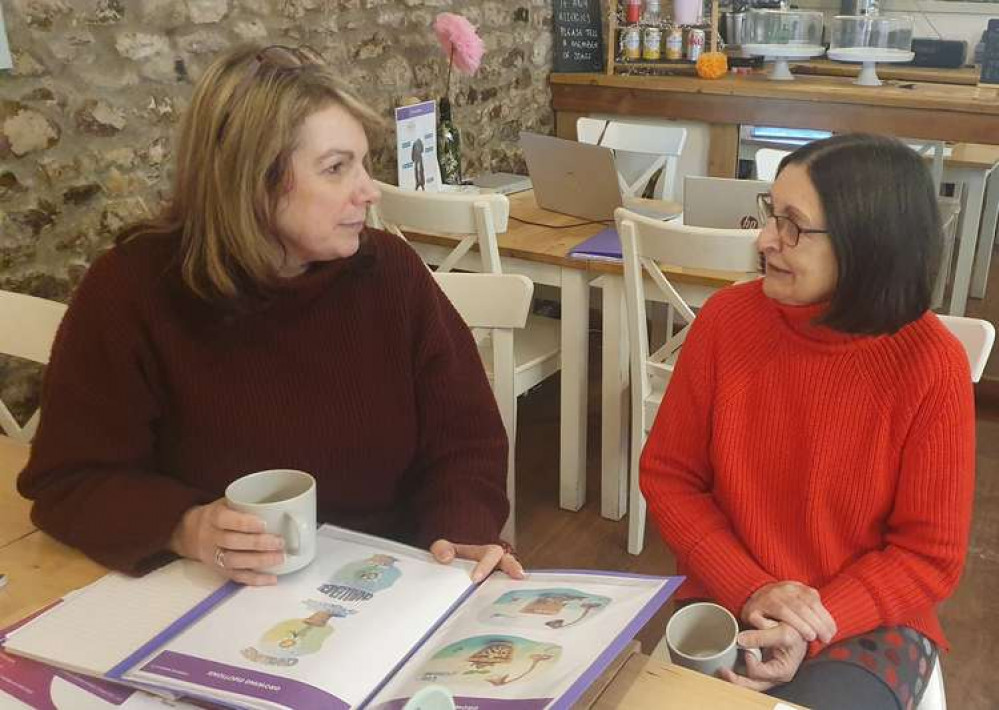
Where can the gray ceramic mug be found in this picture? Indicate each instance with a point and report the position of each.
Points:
(285, 500)
(703, 636)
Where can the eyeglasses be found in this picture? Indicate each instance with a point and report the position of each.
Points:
(788, 230)
(277, 58)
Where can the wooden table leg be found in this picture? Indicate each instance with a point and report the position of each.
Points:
(723, 150)
(565, 124)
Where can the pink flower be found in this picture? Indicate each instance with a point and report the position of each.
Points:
(457, 35)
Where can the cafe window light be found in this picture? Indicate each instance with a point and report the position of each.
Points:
(787, 136)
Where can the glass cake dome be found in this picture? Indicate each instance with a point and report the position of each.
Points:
(781, 35)
(865, 32)
(869, 39)
(784, 27)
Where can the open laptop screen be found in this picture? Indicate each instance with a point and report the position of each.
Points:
(722, 203)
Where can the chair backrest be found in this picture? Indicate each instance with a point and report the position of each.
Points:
(640, 151)
(767, 160)
(476, 218)
(646, 243)
(977, 336)
(27, 328)
(495, 304)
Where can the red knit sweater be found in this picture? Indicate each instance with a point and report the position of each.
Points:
(358, 371)
(788, 451)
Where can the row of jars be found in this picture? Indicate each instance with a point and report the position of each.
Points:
(652, 43)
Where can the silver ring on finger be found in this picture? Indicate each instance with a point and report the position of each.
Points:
(220, 557)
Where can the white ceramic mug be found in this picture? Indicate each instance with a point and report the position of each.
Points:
(431, 697)
(702, 637)
(285, 500)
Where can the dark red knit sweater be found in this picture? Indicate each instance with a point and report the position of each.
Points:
(789, 451)
(359, 372)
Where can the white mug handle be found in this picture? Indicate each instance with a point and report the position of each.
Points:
(297, 532)
(752, 650)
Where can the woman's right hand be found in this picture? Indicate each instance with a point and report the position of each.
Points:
(793, 603)
(227, 539)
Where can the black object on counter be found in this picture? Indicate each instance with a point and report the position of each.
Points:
(940, 53)
(990, 55)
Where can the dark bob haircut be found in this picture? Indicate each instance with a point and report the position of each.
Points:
(884, 223)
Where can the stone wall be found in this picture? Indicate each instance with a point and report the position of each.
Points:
(89, 112)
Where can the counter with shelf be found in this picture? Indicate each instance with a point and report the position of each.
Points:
(913, 109)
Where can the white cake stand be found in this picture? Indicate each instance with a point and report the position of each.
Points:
(781, 53)
(868, 56)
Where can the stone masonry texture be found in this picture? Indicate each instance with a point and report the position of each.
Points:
(88, 115)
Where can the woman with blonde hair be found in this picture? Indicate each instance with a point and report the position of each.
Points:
(256, 323)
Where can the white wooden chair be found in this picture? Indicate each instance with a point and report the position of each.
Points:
(934, 697)
(645, 244)
(641, 150)
(977, 336)
(27, 328)
(499, 303)
(477, 219)
(767, 160)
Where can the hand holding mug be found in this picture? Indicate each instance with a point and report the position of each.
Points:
(792, 603)
(232, 541)
(783, 651)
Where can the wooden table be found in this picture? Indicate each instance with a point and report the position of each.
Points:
(642, 682)
(14, 520)
(540, 251)
(42, 570)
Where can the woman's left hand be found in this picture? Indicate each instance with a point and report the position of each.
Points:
(784, 650)
(489, 558)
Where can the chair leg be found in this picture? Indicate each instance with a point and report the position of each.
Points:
(509, 531)
(636, 502)
(934, 697)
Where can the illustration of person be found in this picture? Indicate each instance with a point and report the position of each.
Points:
(421, 177)
(361, 580)
(286, 641)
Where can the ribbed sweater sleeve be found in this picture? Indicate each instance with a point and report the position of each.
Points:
(462, 442)
(927, 530)
(677, 476)
(91, 471)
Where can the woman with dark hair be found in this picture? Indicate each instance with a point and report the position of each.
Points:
(812, 463)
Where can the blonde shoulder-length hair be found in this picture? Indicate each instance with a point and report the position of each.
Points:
(232, 158)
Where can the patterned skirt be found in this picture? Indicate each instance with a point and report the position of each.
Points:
(899, 657)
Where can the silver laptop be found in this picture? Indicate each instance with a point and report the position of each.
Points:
(722, 203)
(579, 179)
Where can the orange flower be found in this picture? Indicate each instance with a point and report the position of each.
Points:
(712, 65)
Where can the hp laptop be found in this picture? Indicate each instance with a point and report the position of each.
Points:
(722, 203)
(580, 179)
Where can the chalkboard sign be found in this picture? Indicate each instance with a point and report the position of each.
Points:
(990, 55)
(578, 28)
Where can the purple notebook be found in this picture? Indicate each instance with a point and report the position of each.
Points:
(605, 245)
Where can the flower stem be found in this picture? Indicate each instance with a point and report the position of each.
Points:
(450, 62)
